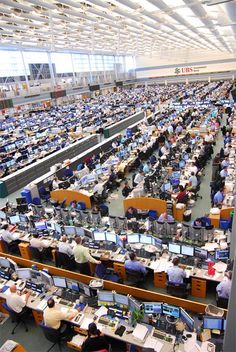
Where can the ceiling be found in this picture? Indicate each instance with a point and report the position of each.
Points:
(137, 27)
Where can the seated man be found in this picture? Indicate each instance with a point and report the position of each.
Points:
(131, 213)
(68, 172)
(10, 237)
(126, 190)
(15, 301)
(65, 247)
(175, 274)
(97, 190)
(165, 217)
(53, 317)
(182, 196)
(218, 198)
(193, 182)
(224, 287)
(135, 265)
(42, 246)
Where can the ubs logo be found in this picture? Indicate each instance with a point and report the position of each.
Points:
(177, 71)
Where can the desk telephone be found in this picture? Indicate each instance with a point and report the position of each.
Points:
(20, 284)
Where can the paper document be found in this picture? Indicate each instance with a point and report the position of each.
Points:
(152, 342)
(78, 340)
(42, 305)
(64, 310)
(140, 332)
(101, 311)
(85, 323)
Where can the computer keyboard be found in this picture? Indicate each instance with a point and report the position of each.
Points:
(69, 296)
(162, 336)
(103, 321)
(66, 303)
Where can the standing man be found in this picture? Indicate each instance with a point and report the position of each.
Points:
(83, 257)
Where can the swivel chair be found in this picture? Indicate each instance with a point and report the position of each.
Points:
(134, 278)
(222, 302)
(18, 318)
(52, 335)
(106, 274)
(177, 290)
(64, 261)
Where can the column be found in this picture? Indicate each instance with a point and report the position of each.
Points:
(53, 80)
(25, 70)
(72, 63)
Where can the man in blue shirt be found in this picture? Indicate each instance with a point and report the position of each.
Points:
(135, 265)
(146, 167)
(175, 274)
(224, 172)
(218, 197)
(165, 217)
(224, 287)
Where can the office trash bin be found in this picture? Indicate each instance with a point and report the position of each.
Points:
(26, 193)
(187, 215)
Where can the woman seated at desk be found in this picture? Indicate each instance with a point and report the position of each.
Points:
(182, 195)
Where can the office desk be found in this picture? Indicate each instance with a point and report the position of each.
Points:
(224, 214)
(70, 195)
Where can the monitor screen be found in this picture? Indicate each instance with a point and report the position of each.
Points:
(156, 242)
(111, 237)
(24, 274)
(105, 296)
(187, 250)
(200, 253)
(3, 216)
(212, 323)
(222, 254)
(176, 174)
(50, 225)
(72, 285)
(167, 186)
(121, 299)
(182, 164)
(59, 281)
(172, 311)
(134, 304)
(185, 157)
(145, 239)
(84, 180)
(224, 324)
(40, 225)
(23, 218)
(99, 236)
(185, 317)
(79, 231)
(174, 248)
(152, 307)
(133, 238)
(46, 278)
(70, 230)
(4, 263)
(14, 219)
(91, 178)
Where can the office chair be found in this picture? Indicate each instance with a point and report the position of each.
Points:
(36, 254)
(44, 194)
(64, 261)
(134, 278)
(178, 290)
(52, 335)
(222, 302)
(12, 247)
(104, 210)
(16, 317)
(107, 274)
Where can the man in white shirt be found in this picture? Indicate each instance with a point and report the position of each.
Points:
(98, 188)
(209, 138)
(8, 236)
(15, 301)
(36, 242)
(138, 178)
(192, 182)
(65, 247)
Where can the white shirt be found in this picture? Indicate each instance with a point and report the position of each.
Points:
(37, 243)
(65, 248)
(209, 138)
(98, 188)
(138, 178)
(8, 236)
(15, 302)
(55, 184)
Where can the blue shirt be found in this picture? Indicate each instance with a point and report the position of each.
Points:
(176, 275)
(169, 218)
(146, 169)
(224, 287)
(218, 198)
(135, 266)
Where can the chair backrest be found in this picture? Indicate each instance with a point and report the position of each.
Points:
(9, 310)
(178, 290)
(36, 254)
(100, 270)
(51, 334)
(222, 302)
(62, 259)
(133, 275)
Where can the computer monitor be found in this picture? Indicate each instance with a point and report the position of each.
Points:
(133, 304)
(59, 281)
(185, 157)
(23, 218)
(116, 161)
(224, 324)
(4, 263)
(24, 274)
(152, 307)
(72, 285)
(85, 289)
(174, 248)
(167, 186)
(119, 241)
(70, 230)
(111, 237)
(200, 253)
(121, 299)
(14, 219)
(40, 225)
(187, 250)
(3, 215)
(80, 231)
(170, 310)
(91, 178)
(46, 279)
(50, 225)
(105, 296)
(84, 180)
(212, 323)
(156, 242)
(185, 317)
(145, 239)
(222, 254)
(99, 236)
(181, 164)
(134, 238)
(185, 231)
(175, 174)
(21, 200)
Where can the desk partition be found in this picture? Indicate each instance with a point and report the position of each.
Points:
(121, 125)
(143, 295)
(145, 203)
(29, 173)
(71, 195)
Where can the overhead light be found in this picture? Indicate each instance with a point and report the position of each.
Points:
(214, 2)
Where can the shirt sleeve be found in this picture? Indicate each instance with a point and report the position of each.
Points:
(89, 257)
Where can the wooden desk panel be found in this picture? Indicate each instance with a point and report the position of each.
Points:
(145, 203)
(70, 195)
(215, 220)
(2, 246)
(24, 250)
(225, 213)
